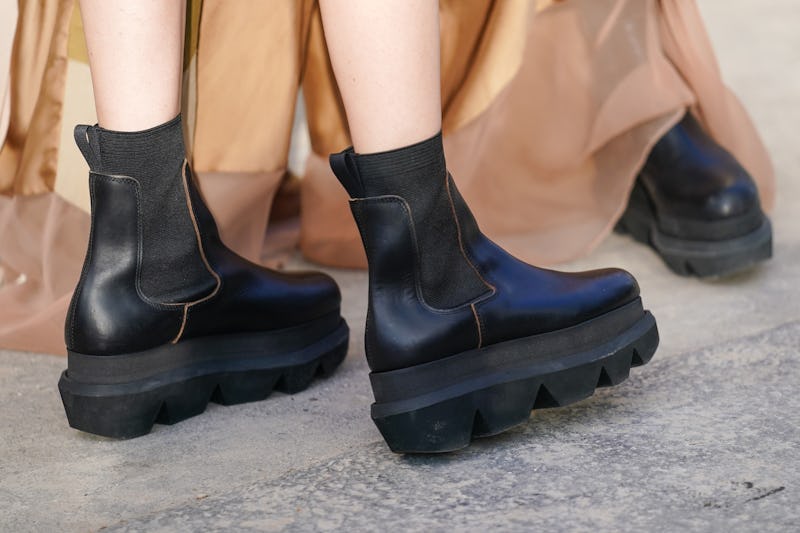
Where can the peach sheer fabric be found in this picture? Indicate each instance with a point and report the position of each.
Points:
(42, 236)
(548, 164)
(549, 112)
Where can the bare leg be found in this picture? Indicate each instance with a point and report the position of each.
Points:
(135, 53)
(386, 59)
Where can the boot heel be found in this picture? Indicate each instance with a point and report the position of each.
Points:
(439, 428)
(118, 417)
(126, 416)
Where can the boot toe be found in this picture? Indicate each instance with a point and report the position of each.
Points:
(738, 199)
(611, 288)
(256, 298)
(318, 291)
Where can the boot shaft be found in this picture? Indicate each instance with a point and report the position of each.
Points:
(414, 226)
(423, 287)
(418, 175)
(144, 260)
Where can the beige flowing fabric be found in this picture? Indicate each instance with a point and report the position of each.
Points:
(550, 109)
(548, 161)
(42, 235)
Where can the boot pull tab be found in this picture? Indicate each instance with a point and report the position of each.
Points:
(81, 133)
(346, 171)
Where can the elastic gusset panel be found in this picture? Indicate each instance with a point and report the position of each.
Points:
(418, 174)
(172, 268)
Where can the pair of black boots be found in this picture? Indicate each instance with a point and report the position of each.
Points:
(463, 340)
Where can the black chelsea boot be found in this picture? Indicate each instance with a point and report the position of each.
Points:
(462, 339)
(166, 318)
(696, 206)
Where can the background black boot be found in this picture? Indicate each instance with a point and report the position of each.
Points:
(696, 206)
(165, 317)
(463, 339)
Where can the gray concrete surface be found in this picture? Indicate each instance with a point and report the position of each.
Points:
(706, 437)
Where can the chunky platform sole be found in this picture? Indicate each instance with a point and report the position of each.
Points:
(122, 396)
(440, 406)
(701, 258)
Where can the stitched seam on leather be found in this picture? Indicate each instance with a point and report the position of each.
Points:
(118, 178)
(199, 239)
(200, 249)
(186, 184)
(393, 199)
(183, 324)
(478, 322)
(73, 311)
(128, 181)
(479, 268)
(203, 234)
(139, 237)
(460, 239)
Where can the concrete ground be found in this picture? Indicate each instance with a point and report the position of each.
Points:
(706, 437)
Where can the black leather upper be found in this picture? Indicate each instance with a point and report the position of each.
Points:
(403, 330)
(110, 315)
(531, 300)
(251, 297)
(695, 186)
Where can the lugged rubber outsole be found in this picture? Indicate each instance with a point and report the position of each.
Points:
(125, 410)
(700, 258)
(493, 400)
